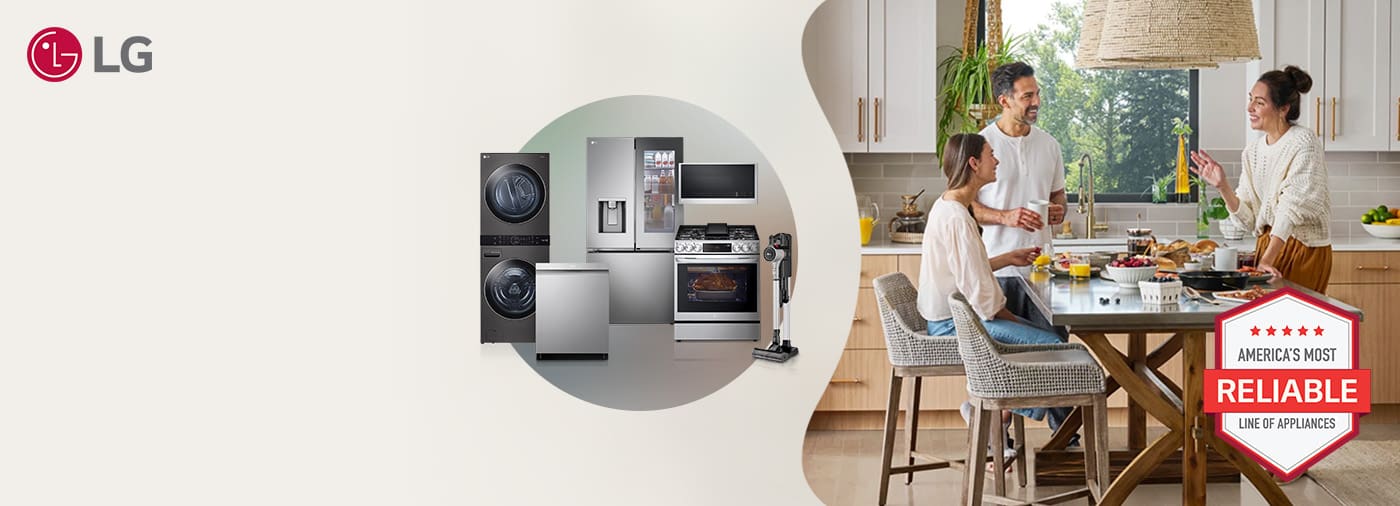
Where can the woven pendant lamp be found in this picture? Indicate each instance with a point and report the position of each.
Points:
(1156, 34)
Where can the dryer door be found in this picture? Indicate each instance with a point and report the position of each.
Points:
(510, 289)
(515, 193)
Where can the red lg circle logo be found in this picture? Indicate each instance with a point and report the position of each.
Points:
(54, 54)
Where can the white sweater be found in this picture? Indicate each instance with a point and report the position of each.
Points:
(954, 260)
(1284, 185)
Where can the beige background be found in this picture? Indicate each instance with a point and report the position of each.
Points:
(248, 276)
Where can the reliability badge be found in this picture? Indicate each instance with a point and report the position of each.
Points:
(1286, 389)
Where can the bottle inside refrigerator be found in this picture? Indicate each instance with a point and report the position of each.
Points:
(658, 169)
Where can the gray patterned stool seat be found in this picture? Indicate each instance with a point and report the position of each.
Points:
(1003, 376)
(914, 354)
(906, 331)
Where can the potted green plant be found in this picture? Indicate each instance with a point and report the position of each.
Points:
(967, 87)
(1160, 188)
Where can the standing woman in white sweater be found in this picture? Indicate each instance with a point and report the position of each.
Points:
(1282, 196)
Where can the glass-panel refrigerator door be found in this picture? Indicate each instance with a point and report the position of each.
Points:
(659, 213)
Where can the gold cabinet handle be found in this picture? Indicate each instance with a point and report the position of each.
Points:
(877, 119)
(844, 380)
(1365, 268)
(860, 119)
(1334, 118)
(1319, 116)
(856, 318)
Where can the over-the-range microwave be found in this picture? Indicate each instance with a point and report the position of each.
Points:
(718, 183)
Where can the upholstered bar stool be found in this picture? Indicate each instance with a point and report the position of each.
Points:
(1003, 376)
(914, 355)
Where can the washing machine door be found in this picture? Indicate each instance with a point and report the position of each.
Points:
(510, 289)
(515, 193)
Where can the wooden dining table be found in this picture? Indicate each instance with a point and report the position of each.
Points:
(1095, 308)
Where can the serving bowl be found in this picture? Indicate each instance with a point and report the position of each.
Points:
(1128, 277)
(1382, 231)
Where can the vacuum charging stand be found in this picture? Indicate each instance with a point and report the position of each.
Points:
(779, 253)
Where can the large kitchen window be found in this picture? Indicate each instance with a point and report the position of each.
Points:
(1121, 118)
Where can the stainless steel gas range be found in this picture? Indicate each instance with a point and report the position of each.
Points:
(717, 282)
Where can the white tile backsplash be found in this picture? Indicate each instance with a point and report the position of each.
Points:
(1357, 181)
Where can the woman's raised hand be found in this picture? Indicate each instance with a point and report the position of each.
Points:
(1207, 168)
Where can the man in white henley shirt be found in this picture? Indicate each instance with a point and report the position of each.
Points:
(1031, 168)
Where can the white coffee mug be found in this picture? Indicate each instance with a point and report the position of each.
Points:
(1226, 259)
(1041, 207)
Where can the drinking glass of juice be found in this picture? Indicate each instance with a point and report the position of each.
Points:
(1079, 267)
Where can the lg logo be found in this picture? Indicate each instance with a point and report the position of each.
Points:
(55, 54)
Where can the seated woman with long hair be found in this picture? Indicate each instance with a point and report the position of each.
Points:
(955, 260)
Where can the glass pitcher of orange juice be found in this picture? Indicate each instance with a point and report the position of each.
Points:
(869, 214)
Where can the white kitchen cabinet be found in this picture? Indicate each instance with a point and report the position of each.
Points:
(1346, 46)
(1291, 32)
(1393, 100)
(1357, 75)
(872, 64)
(834, 52)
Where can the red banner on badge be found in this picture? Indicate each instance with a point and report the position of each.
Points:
(1288, 391)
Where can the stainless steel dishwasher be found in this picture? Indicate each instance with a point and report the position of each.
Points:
(571, 311)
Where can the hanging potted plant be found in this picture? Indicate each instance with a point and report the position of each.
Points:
(968, 103)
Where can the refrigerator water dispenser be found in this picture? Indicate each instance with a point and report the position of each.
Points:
(612, 216)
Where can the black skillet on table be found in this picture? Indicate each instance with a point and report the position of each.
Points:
(1215, 280)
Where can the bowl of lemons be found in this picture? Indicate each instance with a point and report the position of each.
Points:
(1381, 222)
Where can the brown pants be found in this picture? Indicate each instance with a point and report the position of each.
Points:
(1306, 266)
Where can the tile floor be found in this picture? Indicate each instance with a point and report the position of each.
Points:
(842, 467)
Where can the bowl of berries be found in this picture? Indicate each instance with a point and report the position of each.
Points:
(1128, 271)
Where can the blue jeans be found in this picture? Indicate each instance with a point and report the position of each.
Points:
(1015, 332)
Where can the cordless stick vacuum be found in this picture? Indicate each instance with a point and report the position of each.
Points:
(779, 253)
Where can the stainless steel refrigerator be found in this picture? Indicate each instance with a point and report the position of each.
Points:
(632, 220)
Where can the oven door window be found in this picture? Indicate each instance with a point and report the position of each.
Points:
(717, 288)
